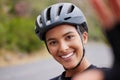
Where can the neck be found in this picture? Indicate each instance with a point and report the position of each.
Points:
(84, 65)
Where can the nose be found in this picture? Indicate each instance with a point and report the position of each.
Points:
(63, 47)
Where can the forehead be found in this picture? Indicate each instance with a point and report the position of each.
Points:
(60, 30)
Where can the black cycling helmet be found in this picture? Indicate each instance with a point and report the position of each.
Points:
(57, 14)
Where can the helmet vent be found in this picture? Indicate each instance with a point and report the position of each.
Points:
(40, 20)
(67, 18)
(48, 14)
(70, 9)
(59, 10)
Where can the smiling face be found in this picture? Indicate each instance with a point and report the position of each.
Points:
(64, 44)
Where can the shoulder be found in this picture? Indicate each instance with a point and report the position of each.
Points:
(106, 72)
(60, 77)
(105, 69)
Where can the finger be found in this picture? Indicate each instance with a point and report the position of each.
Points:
(115, 5)
(105, 15)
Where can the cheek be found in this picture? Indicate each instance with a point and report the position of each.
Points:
(79, 47)
(52, 50)
(77, 43)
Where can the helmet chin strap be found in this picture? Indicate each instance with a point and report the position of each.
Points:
(78, 63)
(78, 29)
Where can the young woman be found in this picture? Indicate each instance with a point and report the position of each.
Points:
(63, 28)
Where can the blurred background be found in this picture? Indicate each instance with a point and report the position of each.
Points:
(19, 44)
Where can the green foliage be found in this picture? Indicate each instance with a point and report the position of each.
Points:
(95, 32)
(18, 34)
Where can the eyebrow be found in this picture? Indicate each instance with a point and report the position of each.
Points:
(68, 33)
(63, 36)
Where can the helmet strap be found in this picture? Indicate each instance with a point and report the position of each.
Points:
(46, 46)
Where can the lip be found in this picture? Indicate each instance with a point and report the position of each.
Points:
(67, 56)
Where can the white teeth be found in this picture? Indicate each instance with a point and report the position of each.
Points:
(66, 56)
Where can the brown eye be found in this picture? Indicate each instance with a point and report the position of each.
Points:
(53, 43)
(70, 37)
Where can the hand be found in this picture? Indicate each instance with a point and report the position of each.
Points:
(108, 15)
(94, 74)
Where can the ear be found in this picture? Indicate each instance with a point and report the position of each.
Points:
(85, 37)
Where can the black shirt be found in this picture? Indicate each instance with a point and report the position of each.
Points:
(62, 77)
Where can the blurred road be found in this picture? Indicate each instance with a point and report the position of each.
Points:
(97, 53)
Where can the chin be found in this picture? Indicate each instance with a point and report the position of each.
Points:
(69, 67)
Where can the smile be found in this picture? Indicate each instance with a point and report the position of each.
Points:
(67, 56)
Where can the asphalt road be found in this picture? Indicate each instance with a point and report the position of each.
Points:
(97, 53)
